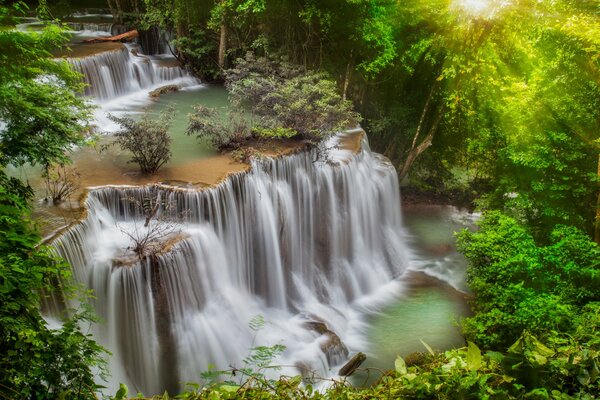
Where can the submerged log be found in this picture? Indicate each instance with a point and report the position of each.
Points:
(124, 37)
(352, 365)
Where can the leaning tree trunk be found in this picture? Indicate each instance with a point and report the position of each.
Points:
(416, 150)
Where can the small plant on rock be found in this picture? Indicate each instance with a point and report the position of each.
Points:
(205, 122)
(61, 182)
(149, 239)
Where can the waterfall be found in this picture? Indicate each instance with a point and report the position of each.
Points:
(105, 27)
(155, 41)
(112, 74)
(311, 244)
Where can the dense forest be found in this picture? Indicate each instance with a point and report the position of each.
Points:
(490, 105)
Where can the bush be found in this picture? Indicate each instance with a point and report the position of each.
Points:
(37, 362)
(519, 285)
(205, 122)
(275, 100)
(563, 368)
(61, 182)
(284, 96)
(148, 140)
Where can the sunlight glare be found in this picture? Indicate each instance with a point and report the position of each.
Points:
(474, 7)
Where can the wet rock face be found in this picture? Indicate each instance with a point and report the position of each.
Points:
(154, 248)
(163, 90)
(333, 347)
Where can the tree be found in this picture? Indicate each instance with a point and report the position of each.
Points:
(148, 241)
(42, 119)
(538, 122)
(148, 140)
(36, 361)
(521, 285)
(32, 84)
(285, 97)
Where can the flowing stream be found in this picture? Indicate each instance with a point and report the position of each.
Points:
(312, 242)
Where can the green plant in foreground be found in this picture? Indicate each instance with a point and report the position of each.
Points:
(522, 285)
(566, 367)
(36, 361)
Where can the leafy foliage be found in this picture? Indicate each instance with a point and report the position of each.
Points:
(41, 119)
(206, 122)
(287, 99)
(37, 361)
(148, 140)
(41, 114)
(194, 50)
(566, 368)
(519, 285)
(282, 102)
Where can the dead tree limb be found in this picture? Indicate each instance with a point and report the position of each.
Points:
(124, 37)
(353, 364)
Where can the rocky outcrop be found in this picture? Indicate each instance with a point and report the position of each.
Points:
(333, 347)
(163, 90)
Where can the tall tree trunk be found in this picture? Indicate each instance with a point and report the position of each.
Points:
(223, 40)
(113, 9)
(347, 77)
(119, 11)
(136, 7)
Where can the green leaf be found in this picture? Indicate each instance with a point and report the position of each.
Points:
(429, 349)
(400, 365)
(229, 388)
(473, 357)
(122, 392)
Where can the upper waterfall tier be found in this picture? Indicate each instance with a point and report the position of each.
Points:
(115, 73)
(303, 240)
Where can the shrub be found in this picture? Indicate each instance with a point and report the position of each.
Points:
(148, 140)
(284, 96)
(61, 182)
(38, 362)
(519, 285)
(205, 122)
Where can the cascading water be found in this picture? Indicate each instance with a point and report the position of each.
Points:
(119, 80)
(311, 245)
(105, 27)
(116, 73)
(156, 41)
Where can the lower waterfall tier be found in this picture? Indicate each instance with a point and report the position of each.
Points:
(310, 244)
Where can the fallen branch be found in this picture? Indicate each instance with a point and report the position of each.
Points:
(124, 37)
(352, 365)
